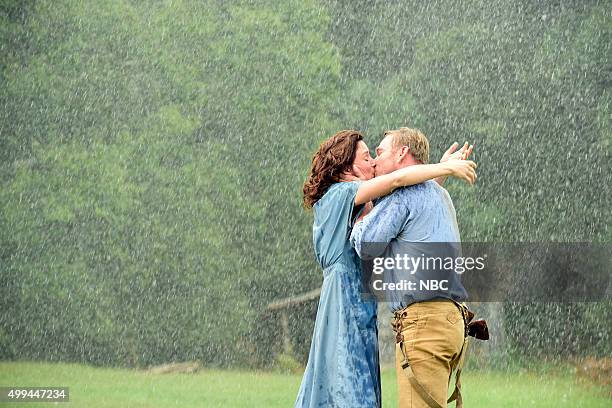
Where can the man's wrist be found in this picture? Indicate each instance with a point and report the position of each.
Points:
(441, 180)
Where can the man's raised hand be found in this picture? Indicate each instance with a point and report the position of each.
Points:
(461, 154)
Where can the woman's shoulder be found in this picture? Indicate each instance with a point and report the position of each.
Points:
(338, 190)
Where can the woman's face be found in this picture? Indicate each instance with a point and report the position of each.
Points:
(363, 165)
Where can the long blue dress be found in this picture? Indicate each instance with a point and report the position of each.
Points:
(343, 367)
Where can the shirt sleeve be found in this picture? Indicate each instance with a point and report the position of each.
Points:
(385, 222)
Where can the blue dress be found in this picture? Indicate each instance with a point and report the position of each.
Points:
(343, 368)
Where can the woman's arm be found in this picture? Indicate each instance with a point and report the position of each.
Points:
(407, 176)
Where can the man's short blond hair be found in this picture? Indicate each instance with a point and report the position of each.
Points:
(414, 139)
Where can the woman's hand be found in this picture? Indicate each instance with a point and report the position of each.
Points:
(463, 169)
(407, 176)
(451, 155)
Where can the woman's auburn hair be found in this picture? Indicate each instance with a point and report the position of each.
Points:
(334, 156)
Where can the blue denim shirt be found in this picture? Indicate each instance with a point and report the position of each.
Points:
(419, 214)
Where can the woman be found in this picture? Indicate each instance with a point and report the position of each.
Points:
(343, 369)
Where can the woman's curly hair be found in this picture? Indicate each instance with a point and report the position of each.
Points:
(335, 156)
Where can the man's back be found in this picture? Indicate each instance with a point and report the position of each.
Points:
(418, 222)
(431, 215)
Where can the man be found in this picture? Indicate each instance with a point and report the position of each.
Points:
(430, 324)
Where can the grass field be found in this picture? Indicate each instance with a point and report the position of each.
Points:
(92, 387)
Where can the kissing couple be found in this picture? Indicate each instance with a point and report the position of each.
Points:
(410, 205)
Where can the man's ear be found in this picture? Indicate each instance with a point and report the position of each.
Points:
(403, 153)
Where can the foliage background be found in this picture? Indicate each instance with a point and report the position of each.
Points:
(152, 155)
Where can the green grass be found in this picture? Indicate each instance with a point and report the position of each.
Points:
(93, 387)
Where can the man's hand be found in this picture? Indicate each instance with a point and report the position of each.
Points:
(450, 154)
(462, 154)
(354, 175)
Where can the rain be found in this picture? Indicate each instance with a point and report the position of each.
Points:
(153, 153)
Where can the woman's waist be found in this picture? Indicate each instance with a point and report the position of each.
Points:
(342, 264)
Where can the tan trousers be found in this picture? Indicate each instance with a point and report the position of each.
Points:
(433, 336)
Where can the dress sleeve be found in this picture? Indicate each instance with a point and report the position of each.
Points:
(335, 215)
(337, 210)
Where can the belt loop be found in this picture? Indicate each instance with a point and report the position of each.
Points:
(464, 314)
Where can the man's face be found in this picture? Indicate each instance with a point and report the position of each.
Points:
(386, 160)
(363, 165)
